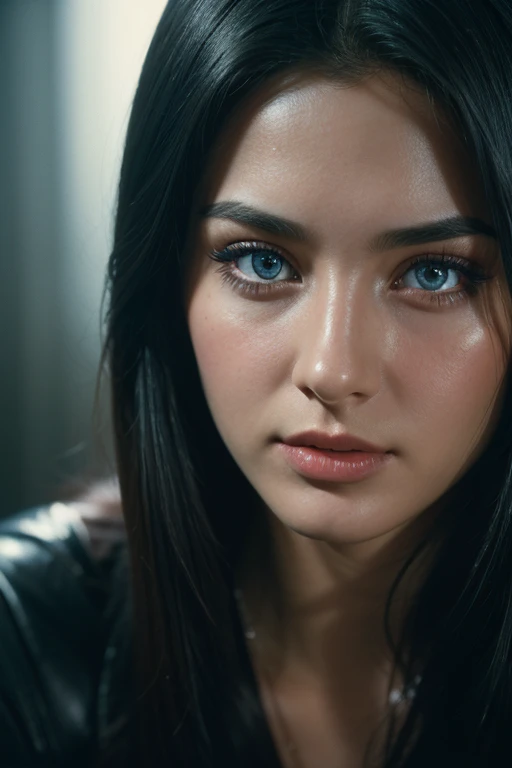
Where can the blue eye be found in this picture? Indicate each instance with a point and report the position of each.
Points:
(433, 277)
(257, 262)
(264, 264)
(434, 274)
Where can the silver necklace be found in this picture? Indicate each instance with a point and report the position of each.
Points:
(396, 695)
(250, 634)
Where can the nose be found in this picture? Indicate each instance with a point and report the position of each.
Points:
(339, 344)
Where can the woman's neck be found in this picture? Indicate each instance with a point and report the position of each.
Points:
(318, 610)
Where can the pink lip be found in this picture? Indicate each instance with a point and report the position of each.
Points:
(335, 466)
(338, 458)
(339, 442)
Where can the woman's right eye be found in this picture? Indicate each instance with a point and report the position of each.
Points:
(256, 261)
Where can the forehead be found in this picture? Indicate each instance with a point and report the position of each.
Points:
(323, 151)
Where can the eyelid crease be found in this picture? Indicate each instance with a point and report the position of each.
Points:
(246, 246)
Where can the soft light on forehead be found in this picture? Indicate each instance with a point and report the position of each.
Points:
(321, 151)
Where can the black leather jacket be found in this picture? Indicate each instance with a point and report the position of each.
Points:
(57, 644)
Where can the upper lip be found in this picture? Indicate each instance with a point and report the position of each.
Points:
(339, 442)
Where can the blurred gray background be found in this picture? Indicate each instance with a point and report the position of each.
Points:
(68, 71)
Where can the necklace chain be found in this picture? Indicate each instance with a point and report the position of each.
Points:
(250, 634)
(396, 696)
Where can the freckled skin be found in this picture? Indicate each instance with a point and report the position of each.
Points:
(342, 351)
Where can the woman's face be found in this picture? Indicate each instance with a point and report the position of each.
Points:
(316, 318)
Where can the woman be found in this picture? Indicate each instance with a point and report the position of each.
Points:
(308, 341)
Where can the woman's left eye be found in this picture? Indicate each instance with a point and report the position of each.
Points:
(439, 273)
(431, 276)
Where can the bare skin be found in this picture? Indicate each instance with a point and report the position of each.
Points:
(347, 339)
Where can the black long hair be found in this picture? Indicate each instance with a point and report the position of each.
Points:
(186, 504)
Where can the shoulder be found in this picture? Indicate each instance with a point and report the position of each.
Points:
(54, 589)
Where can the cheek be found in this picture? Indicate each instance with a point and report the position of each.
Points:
(450, 388)
(239, 362)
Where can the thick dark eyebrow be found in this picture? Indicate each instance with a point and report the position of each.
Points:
(431, 232)
(253, 217)
(445, 229)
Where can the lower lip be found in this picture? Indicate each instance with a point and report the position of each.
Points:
(336, 466)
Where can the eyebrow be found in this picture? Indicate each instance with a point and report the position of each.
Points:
(253, 217)
(430, 232)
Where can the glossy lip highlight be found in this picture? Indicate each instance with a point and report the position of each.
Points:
(331, 465)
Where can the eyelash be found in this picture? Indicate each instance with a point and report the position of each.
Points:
(474, 275)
